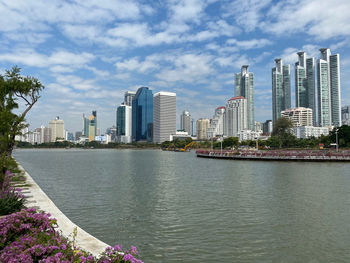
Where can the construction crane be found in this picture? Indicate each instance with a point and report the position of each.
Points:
(187, 146)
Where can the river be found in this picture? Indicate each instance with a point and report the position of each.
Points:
(175, 207)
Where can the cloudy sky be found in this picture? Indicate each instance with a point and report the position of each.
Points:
(89, 52)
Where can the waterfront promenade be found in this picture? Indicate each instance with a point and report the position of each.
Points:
(278, 155)
(36, 197)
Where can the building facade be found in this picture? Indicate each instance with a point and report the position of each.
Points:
(304, 132)
(299, 116)
(57, 129)
(345, 115)
(267, 127)
(202, 126)
(142, 115)
(244, 86)
(128, 97)
(124, 124)
(236, 117)
(164, 116)
(305, 83)
(216, 126)
(281, 94)
(186, 122)
(92, 126)
(328, 87)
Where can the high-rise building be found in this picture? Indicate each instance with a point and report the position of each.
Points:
(186, 122)
(267, 127)
(142, 115)
(328, 85)
(57, 129)
(236, 117)
(45, 134)
(124, 124)
(202, 126)
(164, 116)
(216, 127)
(244, 86)
(345, 115)
(281, 95)
(85, 130)
(305, 83)
(128, 96)
(299, 116)
(92, 126)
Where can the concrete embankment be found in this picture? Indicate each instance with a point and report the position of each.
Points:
(35, 197)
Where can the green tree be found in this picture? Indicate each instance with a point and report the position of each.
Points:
(230, 142)
(15, 90)
(282, 130)
(343, 136)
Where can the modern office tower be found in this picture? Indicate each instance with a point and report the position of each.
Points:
(244, 86)
(128, 96)
(267, 127)
(78, 134)
(305, 83)
(216, 127)
(299, 116)
(92, 126)
(281, 95)
(345, 115)
(124, 124)
(142, 115)
(328, 85)
(57, 129)
(202, 126)
(186, 122)
(85, 130)
(164, 116)
(236, 117)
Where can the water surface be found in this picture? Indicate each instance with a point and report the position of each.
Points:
(178, 208)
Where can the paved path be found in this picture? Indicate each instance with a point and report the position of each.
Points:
(35, 197)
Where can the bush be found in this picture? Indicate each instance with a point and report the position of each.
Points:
(30, 236)
(11, 199)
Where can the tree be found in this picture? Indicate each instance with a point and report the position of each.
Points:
(15, 90)
(282, 133)
(343, 136)
(230, 142)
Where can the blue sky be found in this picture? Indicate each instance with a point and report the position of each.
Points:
(89, 52)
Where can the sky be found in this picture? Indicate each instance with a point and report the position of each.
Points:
(87, 53)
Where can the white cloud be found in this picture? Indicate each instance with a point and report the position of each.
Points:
(250, 44)
(321, 18)
(134, 64)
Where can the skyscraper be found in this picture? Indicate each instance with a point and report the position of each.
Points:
(124, 124)
(216, 127)
(281, 97)
(57, 129)
(186, 122)
(305, 83)
(85, 130)
(142, 115)
(328, 85)
(202, 126)
(128, 96)
(92, 126)
(244, 86)
(236, 117)
(164, 116)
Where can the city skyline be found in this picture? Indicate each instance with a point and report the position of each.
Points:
(192, 48)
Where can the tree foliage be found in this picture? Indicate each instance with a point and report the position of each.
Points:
(15, 90)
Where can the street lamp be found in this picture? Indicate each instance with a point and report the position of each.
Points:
(336, 138)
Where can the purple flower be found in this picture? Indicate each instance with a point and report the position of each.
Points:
(128, 257)
(134, 250)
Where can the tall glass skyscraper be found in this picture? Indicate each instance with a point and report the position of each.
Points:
(124, 124)
(305, 83)
(142, 115)
(186, 122)
(328, 85)
(244, 86)
(281, 96)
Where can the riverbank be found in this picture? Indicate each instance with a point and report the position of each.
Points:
(36, 198)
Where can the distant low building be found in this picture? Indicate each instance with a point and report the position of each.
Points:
(304, 132)
(180, 135)
(245, 135)
(299, 116)
(345, 115)
(267, 127)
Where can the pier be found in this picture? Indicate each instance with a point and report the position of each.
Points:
(279, 155)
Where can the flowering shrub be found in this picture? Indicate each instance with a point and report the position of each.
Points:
(11, 199)
(29, 236)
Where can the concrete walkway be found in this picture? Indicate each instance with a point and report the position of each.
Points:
(35, 197)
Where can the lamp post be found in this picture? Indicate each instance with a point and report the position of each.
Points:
(336, 138)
